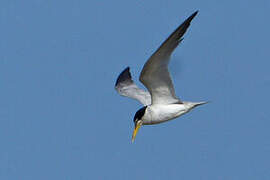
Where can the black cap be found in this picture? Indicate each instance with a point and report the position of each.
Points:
(139, 114)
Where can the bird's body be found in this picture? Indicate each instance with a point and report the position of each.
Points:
(160, 101)
(159, 113)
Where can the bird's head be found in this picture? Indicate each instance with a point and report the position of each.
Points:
(138, 122)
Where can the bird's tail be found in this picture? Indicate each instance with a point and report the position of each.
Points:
(200, 103)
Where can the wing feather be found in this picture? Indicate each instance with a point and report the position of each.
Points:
(155, 74)
(126, 87)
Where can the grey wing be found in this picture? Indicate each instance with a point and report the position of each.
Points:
(155, 75)
(126, 87)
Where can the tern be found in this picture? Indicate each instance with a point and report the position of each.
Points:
(160, 101)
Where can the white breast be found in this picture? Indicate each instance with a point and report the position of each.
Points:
(158, 113)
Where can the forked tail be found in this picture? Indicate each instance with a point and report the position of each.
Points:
(200, 103)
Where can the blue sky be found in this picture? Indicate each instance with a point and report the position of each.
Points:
(60, 117)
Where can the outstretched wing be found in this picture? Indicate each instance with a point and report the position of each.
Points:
(155, 75)
(126, 87)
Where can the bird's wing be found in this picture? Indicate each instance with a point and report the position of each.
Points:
(126, 87)
(155, 75)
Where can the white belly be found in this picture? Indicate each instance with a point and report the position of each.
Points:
(161, 113)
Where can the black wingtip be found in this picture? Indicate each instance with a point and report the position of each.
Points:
(124, 76)
(192, 16)
(195, 13)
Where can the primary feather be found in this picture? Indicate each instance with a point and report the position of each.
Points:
(155, 74)
(126, 87)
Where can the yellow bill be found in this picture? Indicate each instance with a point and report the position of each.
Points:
(138, 125)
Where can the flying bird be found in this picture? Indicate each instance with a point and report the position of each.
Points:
(160, 101)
